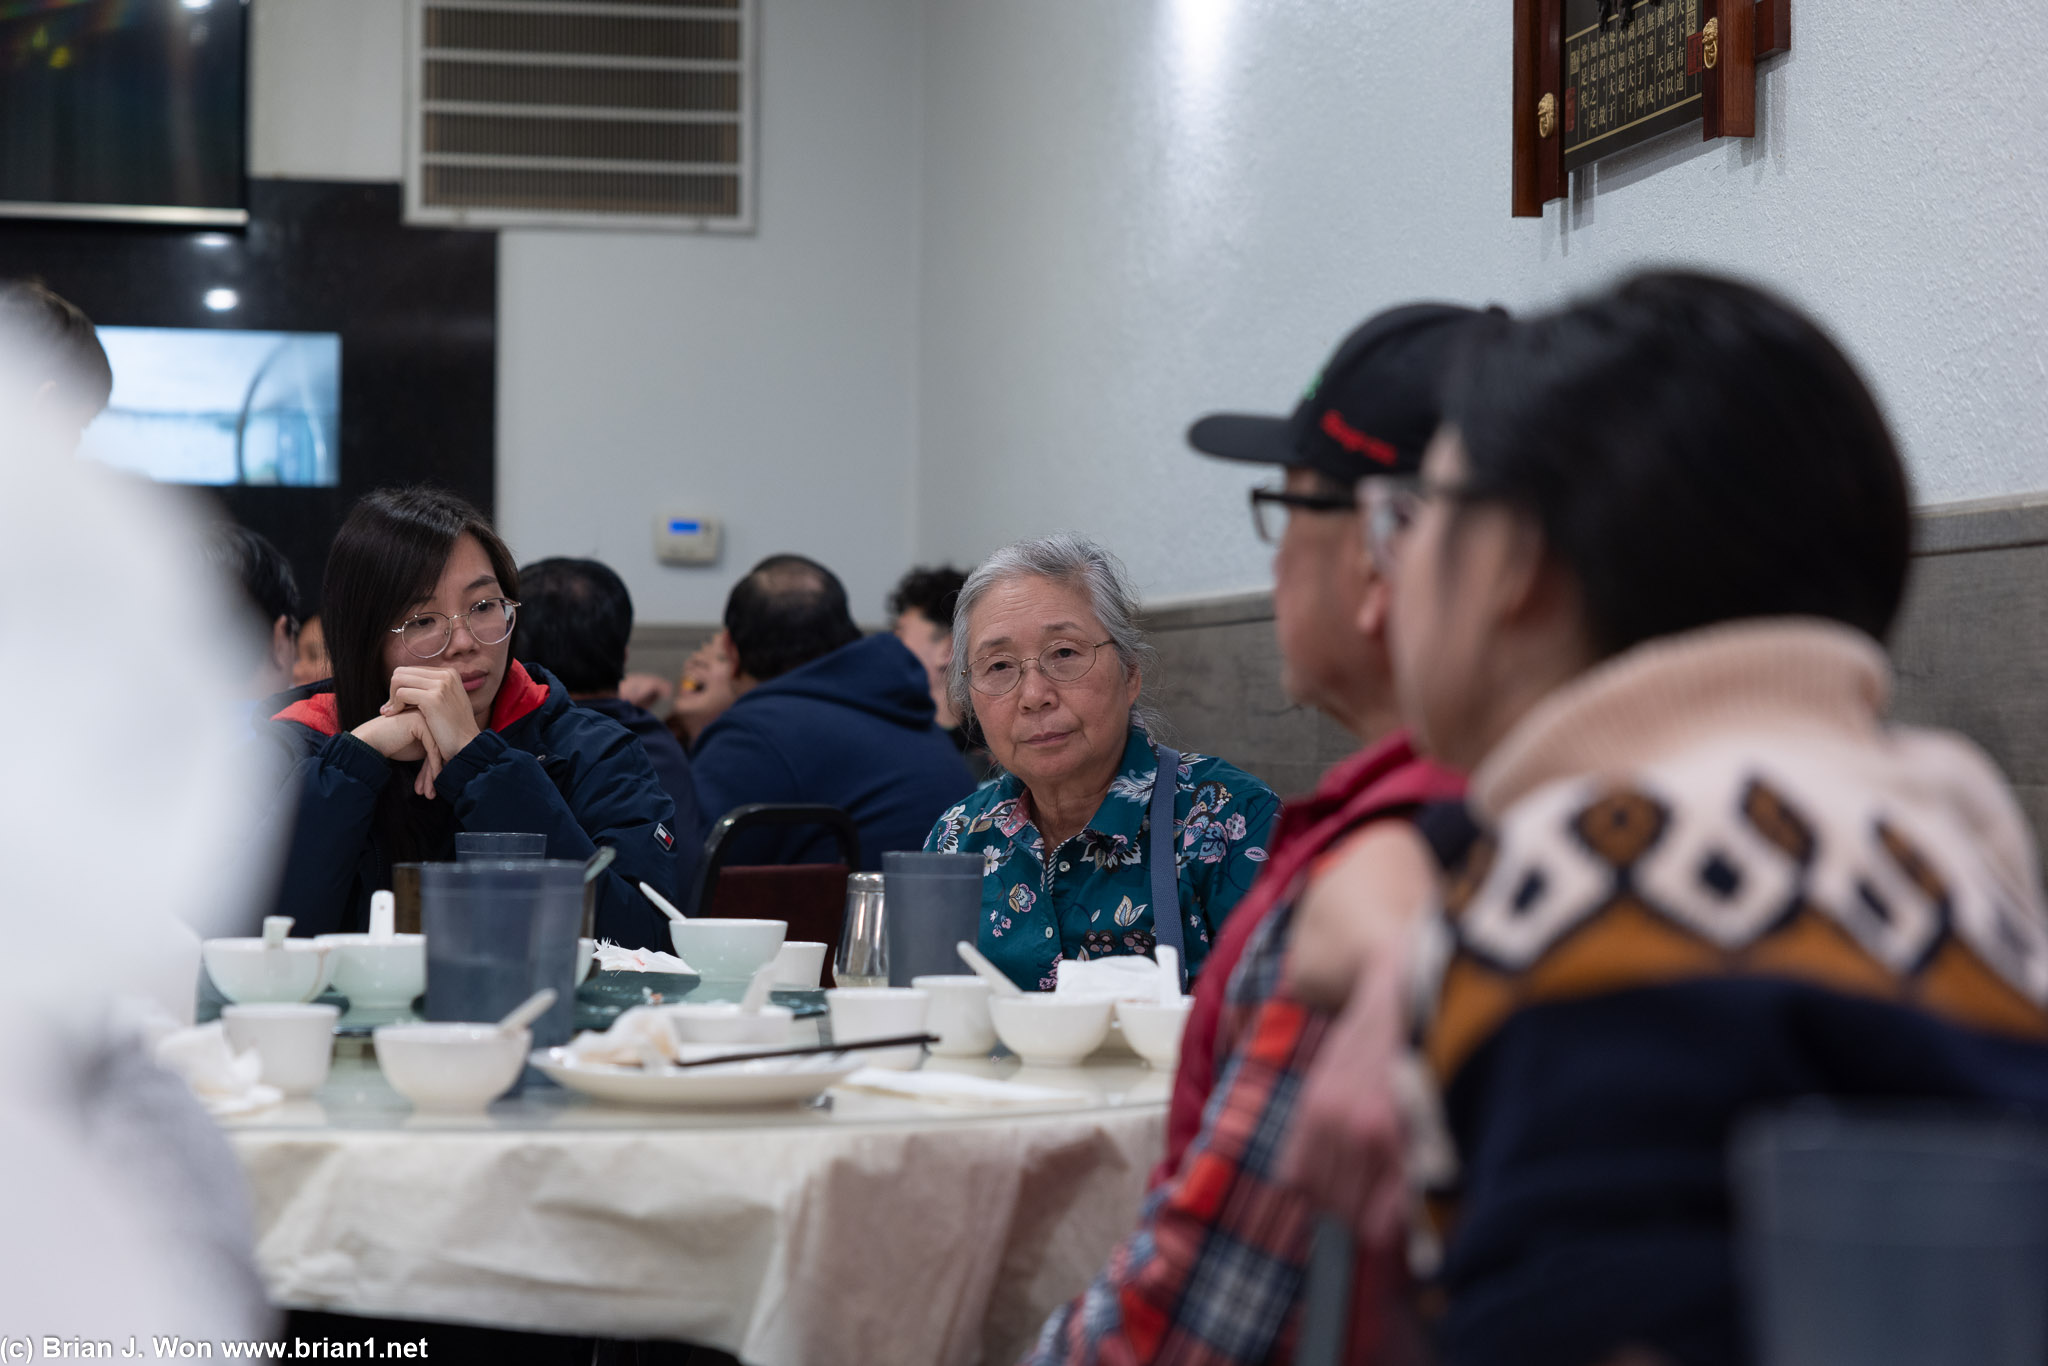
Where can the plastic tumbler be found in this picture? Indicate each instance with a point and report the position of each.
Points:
(497, 933)
(1893, 1240)
(934, 903)
(471, 845)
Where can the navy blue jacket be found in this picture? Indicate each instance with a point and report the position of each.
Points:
(854, 730)
(671, 766)
(547, 766)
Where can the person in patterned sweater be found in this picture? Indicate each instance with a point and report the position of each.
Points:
(1640, 590)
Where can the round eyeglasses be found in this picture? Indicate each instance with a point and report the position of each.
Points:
(1063, 661)
(426, 634)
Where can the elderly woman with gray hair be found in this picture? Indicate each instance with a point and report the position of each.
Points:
(1050, 662)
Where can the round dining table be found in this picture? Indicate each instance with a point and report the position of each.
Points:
(862, 1228)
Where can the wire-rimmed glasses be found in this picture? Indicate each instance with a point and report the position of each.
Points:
(1391, 503)
(1063, 661)
(426, 634)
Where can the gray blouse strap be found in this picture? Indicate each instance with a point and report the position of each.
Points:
(1166, 926)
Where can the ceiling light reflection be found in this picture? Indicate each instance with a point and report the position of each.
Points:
(221, 300)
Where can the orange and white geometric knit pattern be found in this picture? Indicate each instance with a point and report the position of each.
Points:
(1848, 870)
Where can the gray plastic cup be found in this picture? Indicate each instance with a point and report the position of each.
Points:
(1894, 1240)
(493, 845)
(934, 902)
(497, 933)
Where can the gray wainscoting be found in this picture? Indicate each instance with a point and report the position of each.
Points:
(661, 647)
(1971, 650)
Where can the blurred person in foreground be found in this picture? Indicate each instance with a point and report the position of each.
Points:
(1221, 1218)
(310, 665)
(822, 714)
(1049, 658)
(259, 572)
(126, 1212)
(921, 614)
(430, 727)
(1640, 588)
(54, 375)
(575, 620)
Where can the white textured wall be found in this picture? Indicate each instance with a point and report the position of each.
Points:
(1139, 211)
(769, 379)
(766, 379)
(1009, 248)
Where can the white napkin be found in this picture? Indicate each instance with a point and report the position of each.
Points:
(224, 1081)
(639, 1035)
(957, 1088)
(1125, 977)
(612, 958)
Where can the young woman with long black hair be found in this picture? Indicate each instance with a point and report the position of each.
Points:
(430, 727)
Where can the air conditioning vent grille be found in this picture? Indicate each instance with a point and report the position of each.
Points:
(620, 112)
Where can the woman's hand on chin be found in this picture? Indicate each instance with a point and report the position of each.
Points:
(405, 738)
(437, 695)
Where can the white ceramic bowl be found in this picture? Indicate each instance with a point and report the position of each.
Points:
(859, 1013)
(1046, 1029)
(800, 964)
(959, 1015)
(1153, 1028)
(378, 974)
(294, 1042)
(450, 1068)
(247, 973)
(727, 949)
(721, 1022)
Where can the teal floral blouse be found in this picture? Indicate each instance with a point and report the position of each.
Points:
(1091, 899)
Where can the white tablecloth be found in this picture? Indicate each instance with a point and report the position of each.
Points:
(880, 1230)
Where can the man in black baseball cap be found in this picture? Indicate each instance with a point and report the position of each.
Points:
(1370, 412)
(1342, 867)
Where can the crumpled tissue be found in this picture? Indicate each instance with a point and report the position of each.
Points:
(1126, 977)
(639, 1036)
(225, 1082)
(612, 957)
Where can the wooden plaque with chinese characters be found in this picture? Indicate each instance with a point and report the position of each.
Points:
(1628, 79)
(1593, 77)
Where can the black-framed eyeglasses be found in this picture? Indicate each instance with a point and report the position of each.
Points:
(1270, 523)
(426, 634)
(1063, 661)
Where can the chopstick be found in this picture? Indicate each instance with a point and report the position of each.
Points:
(894, 1041)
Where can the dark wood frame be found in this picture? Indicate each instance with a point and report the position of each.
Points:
(1749, 30)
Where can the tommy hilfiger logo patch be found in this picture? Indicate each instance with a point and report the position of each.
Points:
(663, 838)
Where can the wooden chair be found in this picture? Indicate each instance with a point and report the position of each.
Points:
(811, 897)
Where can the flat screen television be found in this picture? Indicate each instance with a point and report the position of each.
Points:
(124, 109)
(205, 405)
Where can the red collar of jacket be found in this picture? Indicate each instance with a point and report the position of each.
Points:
(518, 696)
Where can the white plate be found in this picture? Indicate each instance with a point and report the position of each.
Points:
(767, 1082)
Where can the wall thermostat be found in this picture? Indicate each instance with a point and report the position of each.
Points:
(681, 539)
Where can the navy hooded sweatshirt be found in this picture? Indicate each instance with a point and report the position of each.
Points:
(672, 767)
(853, 729)
(545, 766)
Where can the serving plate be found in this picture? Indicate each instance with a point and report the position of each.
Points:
(767, 1082)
